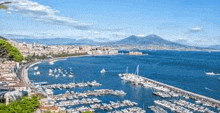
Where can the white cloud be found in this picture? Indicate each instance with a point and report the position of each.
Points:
(45, 14)
(196, 29)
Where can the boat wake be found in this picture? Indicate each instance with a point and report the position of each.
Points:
(211, 90)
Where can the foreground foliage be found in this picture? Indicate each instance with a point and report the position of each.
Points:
(25, 105)
(12, 51)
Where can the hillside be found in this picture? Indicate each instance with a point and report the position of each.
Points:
(9, 52)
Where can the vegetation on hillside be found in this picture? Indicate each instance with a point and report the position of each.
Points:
(88, 112)
(25, 105)
(3, 7)
(12, 52)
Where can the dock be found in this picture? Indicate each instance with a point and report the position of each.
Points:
(149, 83)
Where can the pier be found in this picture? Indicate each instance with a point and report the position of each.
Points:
(149, 83)
(72, 85)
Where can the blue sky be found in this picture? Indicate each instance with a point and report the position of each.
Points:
(191, 22)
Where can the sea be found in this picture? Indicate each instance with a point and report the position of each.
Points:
(182, 69)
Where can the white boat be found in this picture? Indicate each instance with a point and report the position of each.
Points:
(71, 76)
(55, 70)
(64, 75)
(50, 72)
(38, 73)
(102, 71)
(211, 73)
(51, 62)
(59, 70)
(56, 76)
(36, 68)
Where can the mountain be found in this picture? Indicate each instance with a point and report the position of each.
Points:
(146, 41)
(129, 41)
(214, 47)
(84, 42)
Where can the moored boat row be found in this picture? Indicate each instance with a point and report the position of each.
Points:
(157, 109)
(99, 92)
(130, 110)
(72, 85)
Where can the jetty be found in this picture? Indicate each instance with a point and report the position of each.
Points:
(168, 90)
(72, 85)
(99, 92)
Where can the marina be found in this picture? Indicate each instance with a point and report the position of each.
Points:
(68, 96)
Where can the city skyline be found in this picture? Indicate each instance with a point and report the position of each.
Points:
(188, 22)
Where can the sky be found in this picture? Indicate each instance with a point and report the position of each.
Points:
(190, 22)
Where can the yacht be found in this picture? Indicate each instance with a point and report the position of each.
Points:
(55, 70)
(102, 71)
(36, 68)
(210, 73)
(56, 76)
(38, 73)
(50, 72)
(70, 75)
(59, 70)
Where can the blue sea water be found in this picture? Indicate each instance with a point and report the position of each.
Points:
(185, 70)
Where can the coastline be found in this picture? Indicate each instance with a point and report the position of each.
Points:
(160, 83)
(23, 71)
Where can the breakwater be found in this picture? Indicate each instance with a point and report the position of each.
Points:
(164, 89)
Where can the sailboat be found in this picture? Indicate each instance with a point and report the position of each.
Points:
(102, 71)
(137, 70)
(50, 72)
(125, 72)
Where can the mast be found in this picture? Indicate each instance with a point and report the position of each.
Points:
(127, 70)
(137, 71)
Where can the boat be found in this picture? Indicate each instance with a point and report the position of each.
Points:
(36, 68)
(102, 71)
(59, 70)
(70, 75)
(51, 61)
(211, 73)
(50, 72)
(38, 73)
(55, 70)
(56, 76)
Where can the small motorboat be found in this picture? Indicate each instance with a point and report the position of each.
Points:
(50, 72)
(102, 71)
(38, 73)
(210, 73)
(36, 68)
(70, 75)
